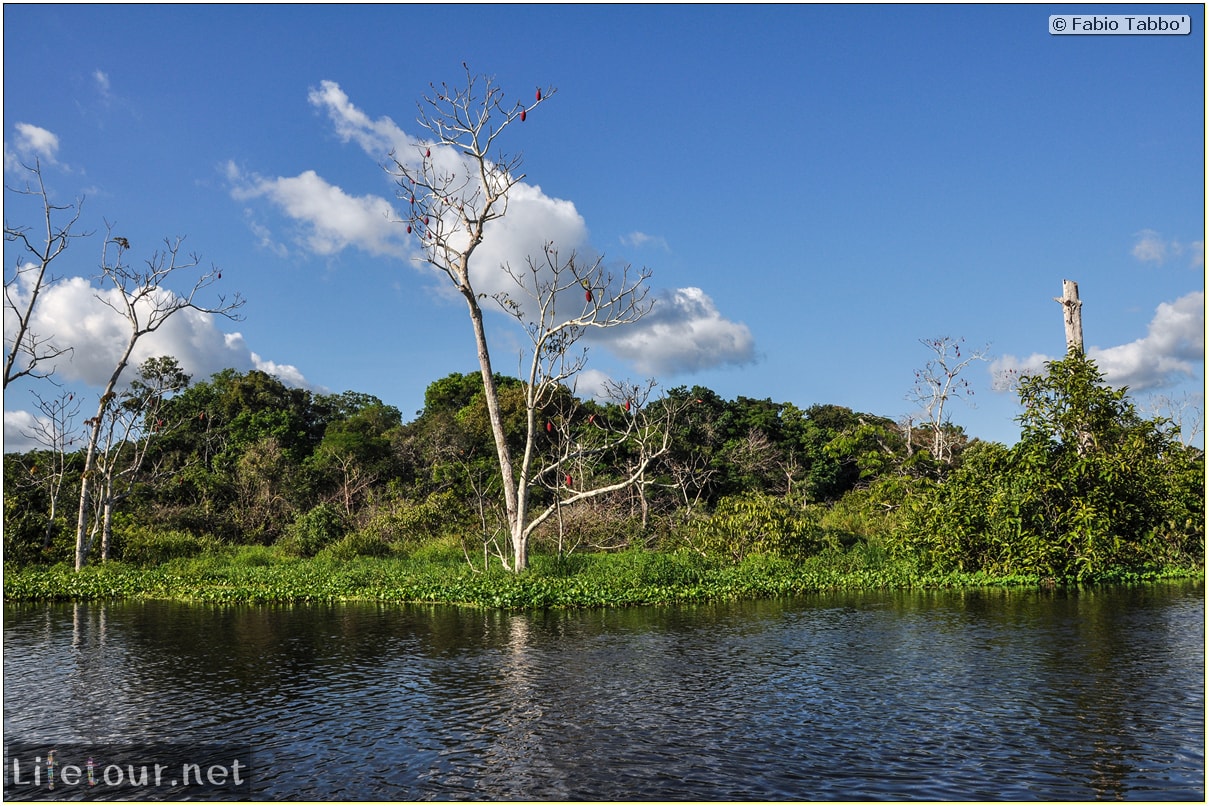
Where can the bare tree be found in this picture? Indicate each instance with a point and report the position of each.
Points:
(937, 383)
(31, 277)
(56, 431)
(139, 297)
(1186, 413)
(131, 428)
(455, 186)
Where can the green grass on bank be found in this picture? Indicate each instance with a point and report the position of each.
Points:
(441, 575)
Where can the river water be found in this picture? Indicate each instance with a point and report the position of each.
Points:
(987, 694)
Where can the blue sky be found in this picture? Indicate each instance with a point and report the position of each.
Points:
(815, 188)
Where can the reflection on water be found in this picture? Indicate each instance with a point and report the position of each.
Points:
(934, 695)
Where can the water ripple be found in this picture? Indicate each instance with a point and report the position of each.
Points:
(903, 696)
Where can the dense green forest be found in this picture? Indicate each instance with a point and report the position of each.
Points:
(1091, 490)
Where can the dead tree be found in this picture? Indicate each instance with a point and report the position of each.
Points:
(131, 429)
(140, 298)
(29, 279)
(55, 431)
(457, 184)
(1072, 316)
(937, 383)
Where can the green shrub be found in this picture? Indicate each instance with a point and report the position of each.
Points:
(314, 531)
(145, 546)
(408, 522)
(254, 556)
(756, 523)
(356, 544)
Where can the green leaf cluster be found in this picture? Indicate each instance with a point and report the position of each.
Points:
(1090, 488)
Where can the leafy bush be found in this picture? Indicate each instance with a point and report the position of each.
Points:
(356, 544)
(314, 531)
(1090, 488)
(145, 546)
(751, 523)
(409, 522)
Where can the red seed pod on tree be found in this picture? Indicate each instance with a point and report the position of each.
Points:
(627, 405)
(539, 93)
(568, 479)
(428, 152)
(549, 426)
(522, 116)
(588, 296)
(591, 419)
(409, 229)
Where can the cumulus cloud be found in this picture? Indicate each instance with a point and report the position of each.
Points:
(375, 137)
(72, 313)
(1152, 247)
(1172, 349)
(31, 142)
(592, 383)
(1174, 346)
(1007, 370)
(333, 220)
(683, 333)
(17, 426)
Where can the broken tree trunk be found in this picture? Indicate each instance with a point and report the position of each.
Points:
(1072, 315)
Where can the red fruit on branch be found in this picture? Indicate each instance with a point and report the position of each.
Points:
(539, 93)
(627, 405)
(522, 116)
(201, 416)
(220, 275)
(591, 419)
(588, 296)
(426, 221)
(409, 229)
(568, 479)
(428, 152)
(549, 426)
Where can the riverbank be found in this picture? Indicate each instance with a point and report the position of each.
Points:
(258, 574)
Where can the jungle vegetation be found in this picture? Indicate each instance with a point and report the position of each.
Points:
(751, 497)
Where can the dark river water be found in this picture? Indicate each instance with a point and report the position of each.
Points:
(1013, 695)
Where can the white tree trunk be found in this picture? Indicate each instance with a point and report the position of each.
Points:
(1072, 315)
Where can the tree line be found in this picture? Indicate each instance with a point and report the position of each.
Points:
(1091, 487)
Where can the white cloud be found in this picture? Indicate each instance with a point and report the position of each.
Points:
(102, 79)
(1152, 247)
(375, 137)
(1196, 250)
(17, 424)
(333, 219)
(1174, 346)
(683, 333)
(71, 314)
(592, 383)
(1007, 370)
(31, 142)
(288, 374)
(637, 240)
